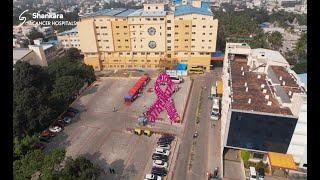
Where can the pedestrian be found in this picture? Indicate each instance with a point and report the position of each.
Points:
(113, 171)
(110, 170)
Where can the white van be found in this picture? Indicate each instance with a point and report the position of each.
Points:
(176, 79)
(253, 173)
(213, 92)
(215, 112)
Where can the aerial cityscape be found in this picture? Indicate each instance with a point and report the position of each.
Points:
(160, 89)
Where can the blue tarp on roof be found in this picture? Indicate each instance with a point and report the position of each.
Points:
(217, 54)
(303, 77)
(189, 9)
(181, 66)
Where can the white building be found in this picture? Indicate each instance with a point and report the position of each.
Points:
(263, 104)
(38, 54)
(69, 39)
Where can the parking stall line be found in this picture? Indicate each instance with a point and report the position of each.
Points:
(85, 142)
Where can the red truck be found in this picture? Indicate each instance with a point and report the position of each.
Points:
(137, 88)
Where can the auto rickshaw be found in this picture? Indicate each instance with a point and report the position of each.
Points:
(137, 131)
(147, 133)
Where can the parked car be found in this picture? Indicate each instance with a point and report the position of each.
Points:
(253, 173)
(39, 145)
(44, 139)
(74, 110)
(164, 142)
(67, 120)
(261, 174)
(47, 133)
(55, 129)
(159, 171)
(164, 146)
(167, 136)
(161, 157)
(215, 111)
(69, 113)
(162, 151)
(152, 177)
(59, 124)
(159, 163)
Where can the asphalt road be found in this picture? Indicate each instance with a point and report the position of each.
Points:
(198, 164)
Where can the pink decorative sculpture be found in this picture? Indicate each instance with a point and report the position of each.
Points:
(164, 100)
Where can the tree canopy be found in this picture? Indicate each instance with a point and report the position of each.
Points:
(34, 34)
(80, 168)
(275, 39)
(42, 93)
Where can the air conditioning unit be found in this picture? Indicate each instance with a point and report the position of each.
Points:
(249, 101)
(269, 103)
(264, 91)
(266, 97)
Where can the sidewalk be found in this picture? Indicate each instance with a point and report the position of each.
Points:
(214, 158)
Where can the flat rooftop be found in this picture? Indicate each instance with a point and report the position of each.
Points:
(290, 82)
(243, 79)
(19, 53)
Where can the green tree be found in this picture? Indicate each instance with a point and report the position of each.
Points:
(73, 54)
(275, 40)
(37, 161)
(64, 90)
(24, 145)
(245, 155)
(81, 169)
(301, 47)
(30, 95)
(300, 67)
(34, 34)
(259, 41)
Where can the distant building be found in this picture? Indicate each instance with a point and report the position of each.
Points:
(289, 41)
(38, 54)
(264, 106)
(69, 39)
(48, 32)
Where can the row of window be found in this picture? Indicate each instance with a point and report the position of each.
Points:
(140, 53)
(131, 66)
(186, 26)
(186, 40)
(134, 60)
(202, 47)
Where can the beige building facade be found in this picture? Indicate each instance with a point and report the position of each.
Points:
(157, 36)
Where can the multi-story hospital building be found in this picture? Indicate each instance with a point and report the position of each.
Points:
(159, 35)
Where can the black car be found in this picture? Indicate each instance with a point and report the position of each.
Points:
(74, 110)
(161, 157)
(168, 136)
(159, 171)
(44, 139)
(164, 141)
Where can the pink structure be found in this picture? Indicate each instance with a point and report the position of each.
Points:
(164, 100)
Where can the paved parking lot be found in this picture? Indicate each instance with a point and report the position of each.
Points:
(100, 134)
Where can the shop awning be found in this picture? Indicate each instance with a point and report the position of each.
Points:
(284, 161)
(219, 87)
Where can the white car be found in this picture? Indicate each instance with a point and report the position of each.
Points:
(162, 151)
(55, 129)
(160, 164)
(152, 177)
(164, 146)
